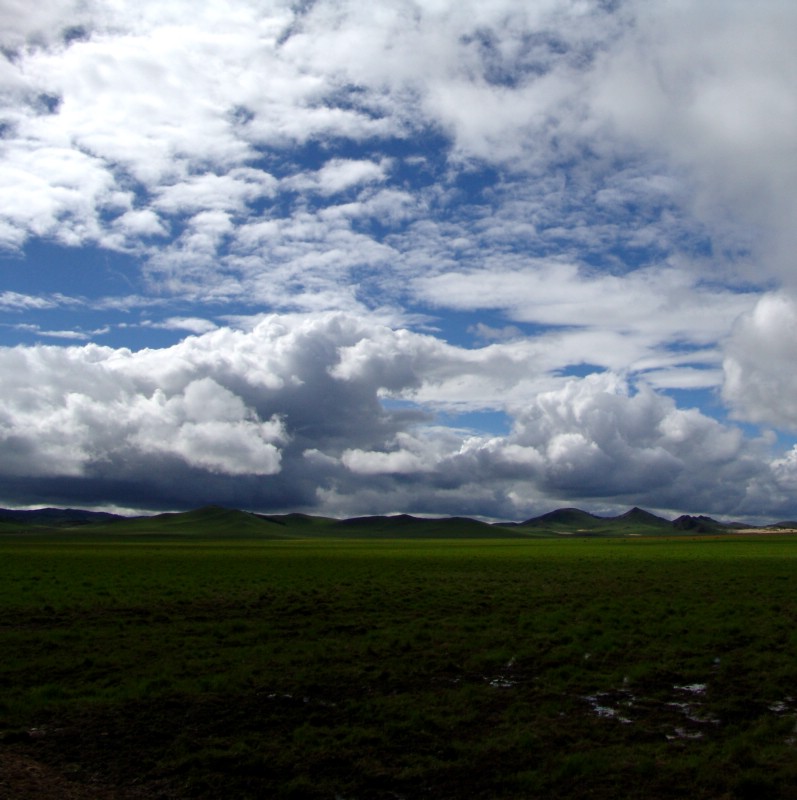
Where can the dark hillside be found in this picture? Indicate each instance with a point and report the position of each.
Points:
(407, 526)
(574, 521)
(56, 517)
(215, 521)
(638, 516)
(206, 522)
(567, 516)
(291, 520)
(564, 520)
(699, 524)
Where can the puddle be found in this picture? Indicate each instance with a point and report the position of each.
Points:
(682, 733)
(679, 719)
(599, 707)
(683, 717)
(782, 706)
(284, 696)
(692, 688)
(501, 682)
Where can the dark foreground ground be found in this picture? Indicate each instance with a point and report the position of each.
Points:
(155, 668)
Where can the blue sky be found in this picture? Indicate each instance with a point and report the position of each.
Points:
(413, 256)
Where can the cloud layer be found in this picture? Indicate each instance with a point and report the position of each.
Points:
(321, 412)
(165, 126)
(387, 226)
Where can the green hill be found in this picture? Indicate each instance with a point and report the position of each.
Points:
(638, 520)
(300, 525)
(570, 520)
(217, 522)
(575, 522)
(406, 526)
(206, 522)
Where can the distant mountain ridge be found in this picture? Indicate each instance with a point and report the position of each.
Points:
(213, 520)
(636, 520)
(57, 516)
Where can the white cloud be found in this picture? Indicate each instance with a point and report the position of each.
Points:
(233, 406)
(374, 462)
(647, 301)
(55, 191)
(229, 192)
(209, 427)
(106, 405)
(77, 335)
(192, 324)
(587, 181)
(710, 85)
(339, 175)
(177, 104)
(15, 301)
(619, 322)
(760, 381)
(23, 23)
(141, 223)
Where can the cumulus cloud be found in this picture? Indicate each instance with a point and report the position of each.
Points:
(598, 437)
(760, 382)
(208, 427)
(295, 413)
(105, 410)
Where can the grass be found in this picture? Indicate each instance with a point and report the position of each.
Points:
(184, 666)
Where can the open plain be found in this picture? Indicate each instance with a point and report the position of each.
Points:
(145, 665)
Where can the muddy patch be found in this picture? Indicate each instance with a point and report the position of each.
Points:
(682, 717)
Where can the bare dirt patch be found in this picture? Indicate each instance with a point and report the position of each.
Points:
(24, 778)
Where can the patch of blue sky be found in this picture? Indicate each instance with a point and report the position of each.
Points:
(418, 151)
(706, 399)
(88, 272)
(70, 296)
(76, 325)
(580, 370)
(475, 179)
(493, 423)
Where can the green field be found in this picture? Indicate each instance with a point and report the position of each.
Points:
(137, 666)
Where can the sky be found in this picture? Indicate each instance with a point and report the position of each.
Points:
(442, 257)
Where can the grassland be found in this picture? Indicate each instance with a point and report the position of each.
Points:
(136, 666)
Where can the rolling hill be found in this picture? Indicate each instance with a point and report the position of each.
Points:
(407, 526)
(575, 522)
(217, 522)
